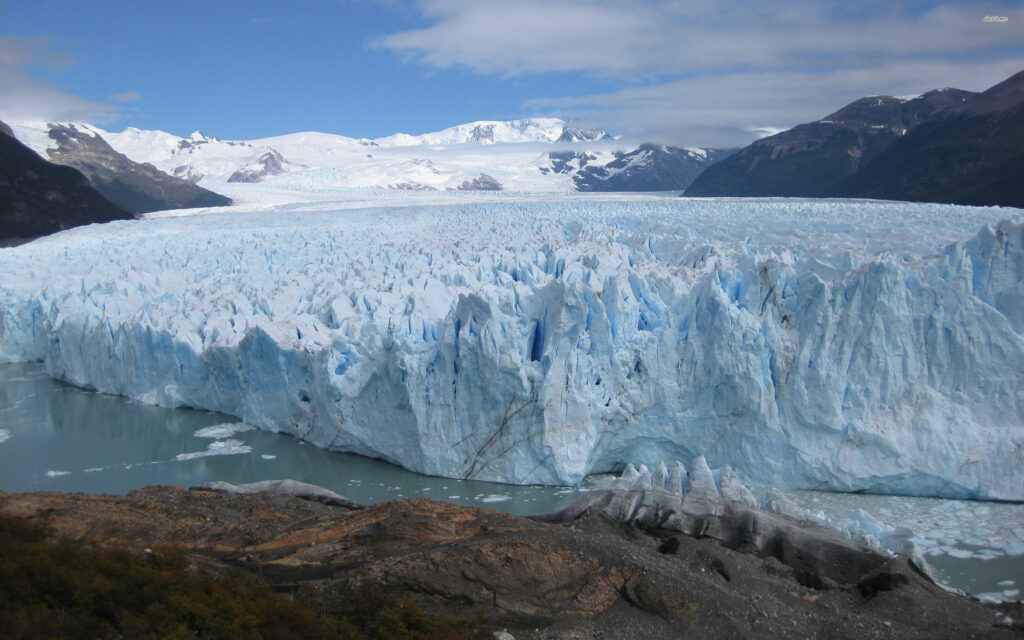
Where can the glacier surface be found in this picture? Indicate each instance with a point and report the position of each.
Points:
(815, 344)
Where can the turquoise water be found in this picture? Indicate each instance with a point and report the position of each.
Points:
(55, 437)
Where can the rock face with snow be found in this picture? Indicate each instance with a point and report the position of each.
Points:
(574, 134)
(38, 198)
(269, 164)
(482, 183)
(540, 340)
(139, 188)
(649, 167)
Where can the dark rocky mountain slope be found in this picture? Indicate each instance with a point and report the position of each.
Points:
(811, 159)
(971, 154)
(38, 198)
(135, 187)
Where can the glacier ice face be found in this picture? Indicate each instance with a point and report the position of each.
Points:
(814, 344)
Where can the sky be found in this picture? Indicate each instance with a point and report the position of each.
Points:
(697, 73)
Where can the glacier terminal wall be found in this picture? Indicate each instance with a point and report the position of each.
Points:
(838, 345)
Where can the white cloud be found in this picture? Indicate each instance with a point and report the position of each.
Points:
(711, 73)
(18, 52)
(26, 97)
(127, 96)
(657, 37)
(730, 109)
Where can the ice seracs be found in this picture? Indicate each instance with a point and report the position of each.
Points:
(541, 339)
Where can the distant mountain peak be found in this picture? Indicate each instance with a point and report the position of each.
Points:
(574, 134)
(482, 132)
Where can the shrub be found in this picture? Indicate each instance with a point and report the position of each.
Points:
(66, 589)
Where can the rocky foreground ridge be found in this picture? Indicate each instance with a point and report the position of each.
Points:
(627, 561)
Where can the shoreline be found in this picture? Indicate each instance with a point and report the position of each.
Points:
(586, 576)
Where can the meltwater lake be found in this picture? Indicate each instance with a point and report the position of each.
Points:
(56, 437)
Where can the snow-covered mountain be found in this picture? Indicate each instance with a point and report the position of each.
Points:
(483, 132)
(134, 186)
(39, 197)
(647, 168)
(518, 155)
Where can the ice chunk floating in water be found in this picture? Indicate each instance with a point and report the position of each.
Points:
(221, 431)
(538, 340)
(228, 447)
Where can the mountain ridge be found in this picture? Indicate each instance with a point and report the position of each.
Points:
(972, 154)
(947, 145)
(133, 186)
(810, 159)
(38, 198)
(517, 155)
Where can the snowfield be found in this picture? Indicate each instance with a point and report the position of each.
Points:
(849, 346)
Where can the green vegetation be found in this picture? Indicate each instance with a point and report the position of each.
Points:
(64, 589)
(370, 613)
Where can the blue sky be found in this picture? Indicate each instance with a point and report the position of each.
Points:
(702, 73)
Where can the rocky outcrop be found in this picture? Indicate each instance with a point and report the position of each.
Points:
(411, 186)
(649, 167)
(589, 575)
(269, 164)
(139, 188)
(727, 512)
(38, 198)
(575, 134)
(286, 487)
(483, 182)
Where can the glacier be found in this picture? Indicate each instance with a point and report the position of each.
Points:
(536, 339)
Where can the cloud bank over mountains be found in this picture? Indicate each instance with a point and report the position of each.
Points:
(680, 73)
(699, 73)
